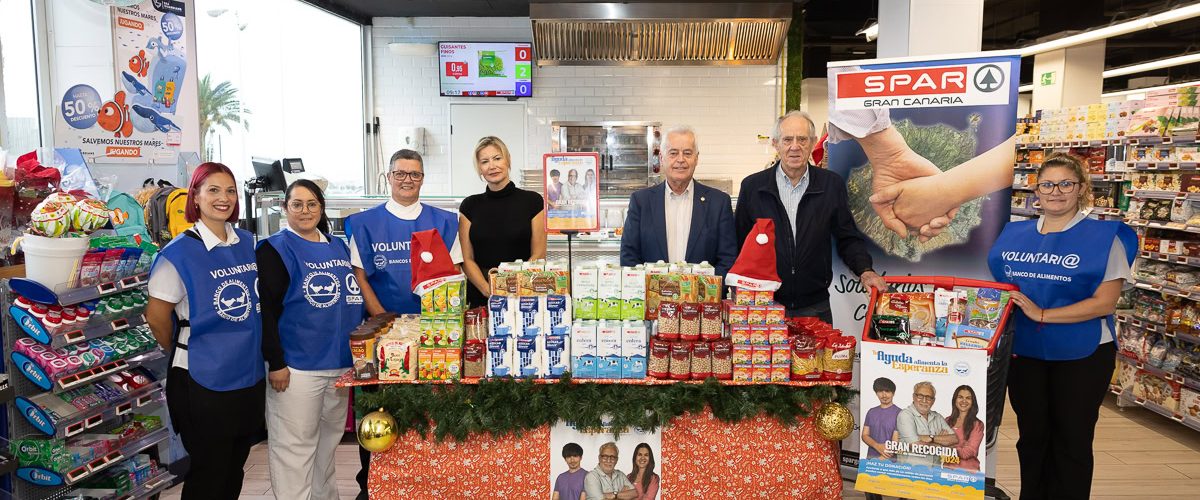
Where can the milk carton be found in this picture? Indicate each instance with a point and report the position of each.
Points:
(608, 289)
(633, 293)
(500, 356)
(531, 317)
(557, 355)
(502, 316)
(633, 349)
(583, 349)
(584, 290)
(558, 314)
(528, 357)
(608, 349)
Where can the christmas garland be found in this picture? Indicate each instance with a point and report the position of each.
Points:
(504, 406)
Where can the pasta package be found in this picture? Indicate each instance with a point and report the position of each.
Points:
(837, 361)
(806, 359)
(922, 320)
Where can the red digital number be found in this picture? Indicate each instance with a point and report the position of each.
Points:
(456, 69)
(523, 53)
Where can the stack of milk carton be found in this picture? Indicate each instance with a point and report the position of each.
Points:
(609, 337)
(529, 324)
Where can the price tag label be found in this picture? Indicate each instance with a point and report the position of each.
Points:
(456, 69)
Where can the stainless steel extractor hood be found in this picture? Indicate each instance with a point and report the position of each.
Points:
(682, 33)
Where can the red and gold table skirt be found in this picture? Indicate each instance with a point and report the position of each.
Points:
(702, 457)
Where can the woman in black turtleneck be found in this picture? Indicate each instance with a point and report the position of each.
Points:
(501, 224)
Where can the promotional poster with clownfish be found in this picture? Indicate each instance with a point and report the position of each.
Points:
(138, 120)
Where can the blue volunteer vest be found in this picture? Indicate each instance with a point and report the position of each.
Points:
(1056, 270)
(322, 305)
(383, 245)
(225, 345)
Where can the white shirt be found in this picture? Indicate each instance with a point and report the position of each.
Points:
(678, 211)
(791, 194)
(1116, 269)
(845, 124)
(166, 285)
(410, 212)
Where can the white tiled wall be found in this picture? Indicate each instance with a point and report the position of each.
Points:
(729, 106)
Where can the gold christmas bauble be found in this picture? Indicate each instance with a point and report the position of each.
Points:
(834, 421)
(377, 431)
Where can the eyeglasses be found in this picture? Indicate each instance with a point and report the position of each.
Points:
(802, 140)
(1064, 187)
(922, 397)
(608, 457)
(399, 175)
(300, 206)
(686, 153)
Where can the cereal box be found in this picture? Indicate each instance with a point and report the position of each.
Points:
(781, 354)
(584, 291)
(756, 315)
(775, 315)
(583, 350)
(609, 292)
(633, 293)
(743, 354)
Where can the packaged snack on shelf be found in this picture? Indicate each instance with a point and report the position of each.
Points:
(474, 354)
(736, 314)
(722, 360)
(583, 350)
(892, 304)
(681, 360)
(781, 373)
(764, 297)
(760, 355)
(756, 315)
(837, 361)
(609, 292)
(743, 297)
(701, 361)
(739, 334)
(942, 300)
(742, 373)
(397, 357)
(633, 293)
(1189, 403)
(711, 327)
(689, 321)
(659, 364)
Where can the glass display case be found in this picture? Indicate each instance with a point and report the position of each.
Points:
(629, 158)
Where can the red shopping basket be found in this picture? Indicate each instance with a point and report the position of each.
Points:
(999, 349)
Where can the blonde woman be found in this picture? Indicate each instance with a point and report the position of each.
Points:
(503, 223)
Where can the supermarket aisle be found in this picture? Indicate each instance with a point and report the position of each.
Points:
(1139, 454)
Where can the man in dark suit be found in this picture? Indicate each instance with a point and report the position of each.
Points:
(679, 219)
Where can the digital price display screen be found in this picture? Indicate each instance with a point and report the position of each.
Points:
(485, 69)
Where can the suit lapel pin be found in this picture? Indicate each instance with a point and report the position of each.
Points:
(701, 199)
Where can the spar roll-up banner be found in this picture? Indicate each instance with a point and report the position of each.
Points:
(919, 140)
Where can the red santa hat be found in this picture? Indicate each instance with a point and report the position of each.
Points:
(754, 268)
(431, 263)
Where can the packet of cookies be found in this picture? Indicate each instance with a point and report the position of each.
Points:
(921, 318)
(892, 304)
(985, 306)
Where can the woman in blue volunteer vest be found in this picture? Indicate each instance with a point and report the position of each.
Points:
(1070, 270)
(204, 310)
(310, 303)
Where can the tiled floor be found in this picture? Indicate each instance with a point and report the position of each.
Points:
(1138, 455)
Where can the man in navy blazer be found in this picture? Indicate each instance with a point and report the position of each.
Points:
(679, 219)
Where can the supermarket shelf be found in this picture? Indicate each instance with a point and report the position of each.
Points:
(1173, 226)
(1027, 166)
(33, 410)
(1108, 212)
(1169, 290)
(1172, 259)
(1137, 322)
(1164, 165)
(1175, 139)
(1026, 212)
(151, 486)
(46, 477)
(1188, 382)
(1151, 194)
(38, 292)
(38, 377)
(1109, 177)
(1017, 187)
(32, 327)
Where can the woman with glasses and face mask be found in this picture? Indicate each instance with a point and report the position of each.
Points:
(502, 224)
(311, 301)
(1070, 270)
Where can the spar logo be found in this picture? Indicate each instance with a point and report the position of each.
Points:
(232, 301)
(988, 78)
(353, 292)
(322, 289)
(964, 84)
(903, 82)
